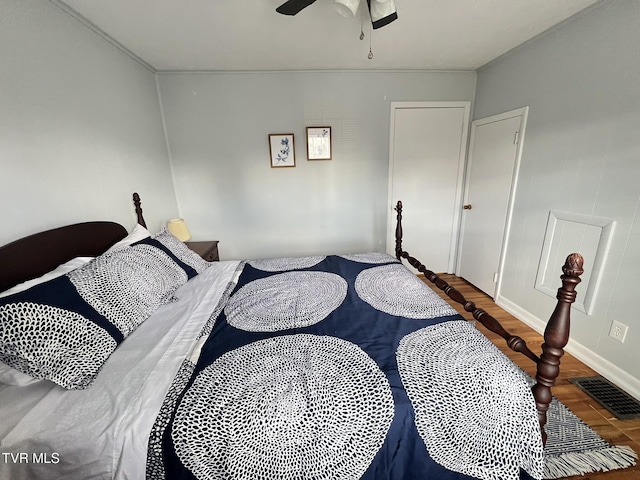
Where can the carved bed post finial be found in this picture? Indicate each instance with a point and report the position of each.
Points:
(398, 208)
(556, 336)
(137, 203)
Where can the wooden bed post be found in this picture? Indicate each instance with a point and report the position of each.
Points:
(398, 208)
(514, 342)
(137, 203)
(556, 336)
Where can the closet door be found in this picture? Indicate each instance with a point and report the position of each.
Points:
(426, 165)
(492, 173)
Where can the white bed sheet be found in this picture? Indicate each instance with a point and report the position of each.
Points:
(102, 432)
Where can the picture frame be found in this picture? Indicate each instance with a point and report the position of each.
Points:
(319, 143)
(282, 150)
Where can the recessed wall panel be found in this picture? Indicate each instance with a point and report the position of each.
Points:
(567, 233)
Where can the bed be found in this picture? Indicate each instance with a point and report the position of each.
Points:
(125, 355)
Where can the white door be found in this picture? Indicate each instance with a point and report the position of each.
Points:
(492, 167)
(426, 162)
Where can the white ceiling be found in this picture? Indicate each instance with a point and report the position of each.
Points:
(215, 35)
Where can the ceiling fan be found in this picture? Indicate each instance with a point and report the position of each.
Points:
(382, 12)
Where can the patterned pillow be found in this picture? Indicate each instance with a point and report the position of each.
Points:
(192, 263)
(65, 329)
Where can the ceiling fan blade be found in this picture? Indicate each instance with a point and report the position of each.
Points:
(293, 6)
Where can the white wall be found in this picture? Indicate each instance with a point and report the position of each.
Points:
(80, 126)
(218, 126)
(581, 155)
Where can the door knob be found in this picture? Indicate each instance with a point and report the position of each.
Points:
(467, 207)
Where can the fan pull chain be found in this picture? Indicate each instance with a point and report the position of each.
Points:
(365, 15)
(370, 56)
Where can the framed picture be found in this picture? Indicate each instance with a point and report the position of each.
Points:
(282, 150)
(319, 143)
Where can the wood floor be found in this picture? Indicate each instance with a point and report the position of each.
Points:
(614, 431)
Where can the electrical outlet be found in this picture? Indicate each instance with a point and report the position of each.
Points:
(618, 331)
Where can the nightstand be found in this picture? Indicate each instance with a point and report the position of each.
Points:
(207, 250)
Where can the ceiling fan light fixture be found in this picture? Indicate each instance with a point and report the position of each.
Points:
(347, 8)
(382, 12)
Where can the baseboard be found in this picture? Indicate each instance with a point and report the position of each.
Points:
(604, 367)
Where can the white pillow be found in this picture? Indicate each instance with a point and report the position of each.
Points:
(59, 271)
(138, 233)
(11, 376)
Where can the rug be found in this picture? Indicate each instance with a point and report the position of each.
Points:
(573, 448)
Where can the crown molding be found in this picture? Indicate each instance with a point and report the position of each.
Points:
(84, 21)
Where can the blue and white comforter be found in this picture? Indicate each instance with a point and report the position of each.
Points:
(343, 367)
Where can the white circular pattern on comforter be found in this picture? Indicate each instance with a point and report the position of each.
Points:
(53, 343)
(395, 290)
(473, 406)
(285, 300)
(372, 257)
(288, 407)
(128, 285)
(288, 263)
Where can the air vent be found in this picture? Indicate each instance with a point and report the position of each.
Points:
(618, 402)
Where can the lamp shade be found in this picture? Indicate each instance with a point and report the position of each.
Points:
(179, 229)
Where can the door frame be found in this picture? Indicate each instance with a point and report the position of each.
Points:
(523, 112)
(466, 105)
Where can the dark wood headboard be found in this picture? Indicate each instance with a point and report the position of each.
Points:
(37, 254)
